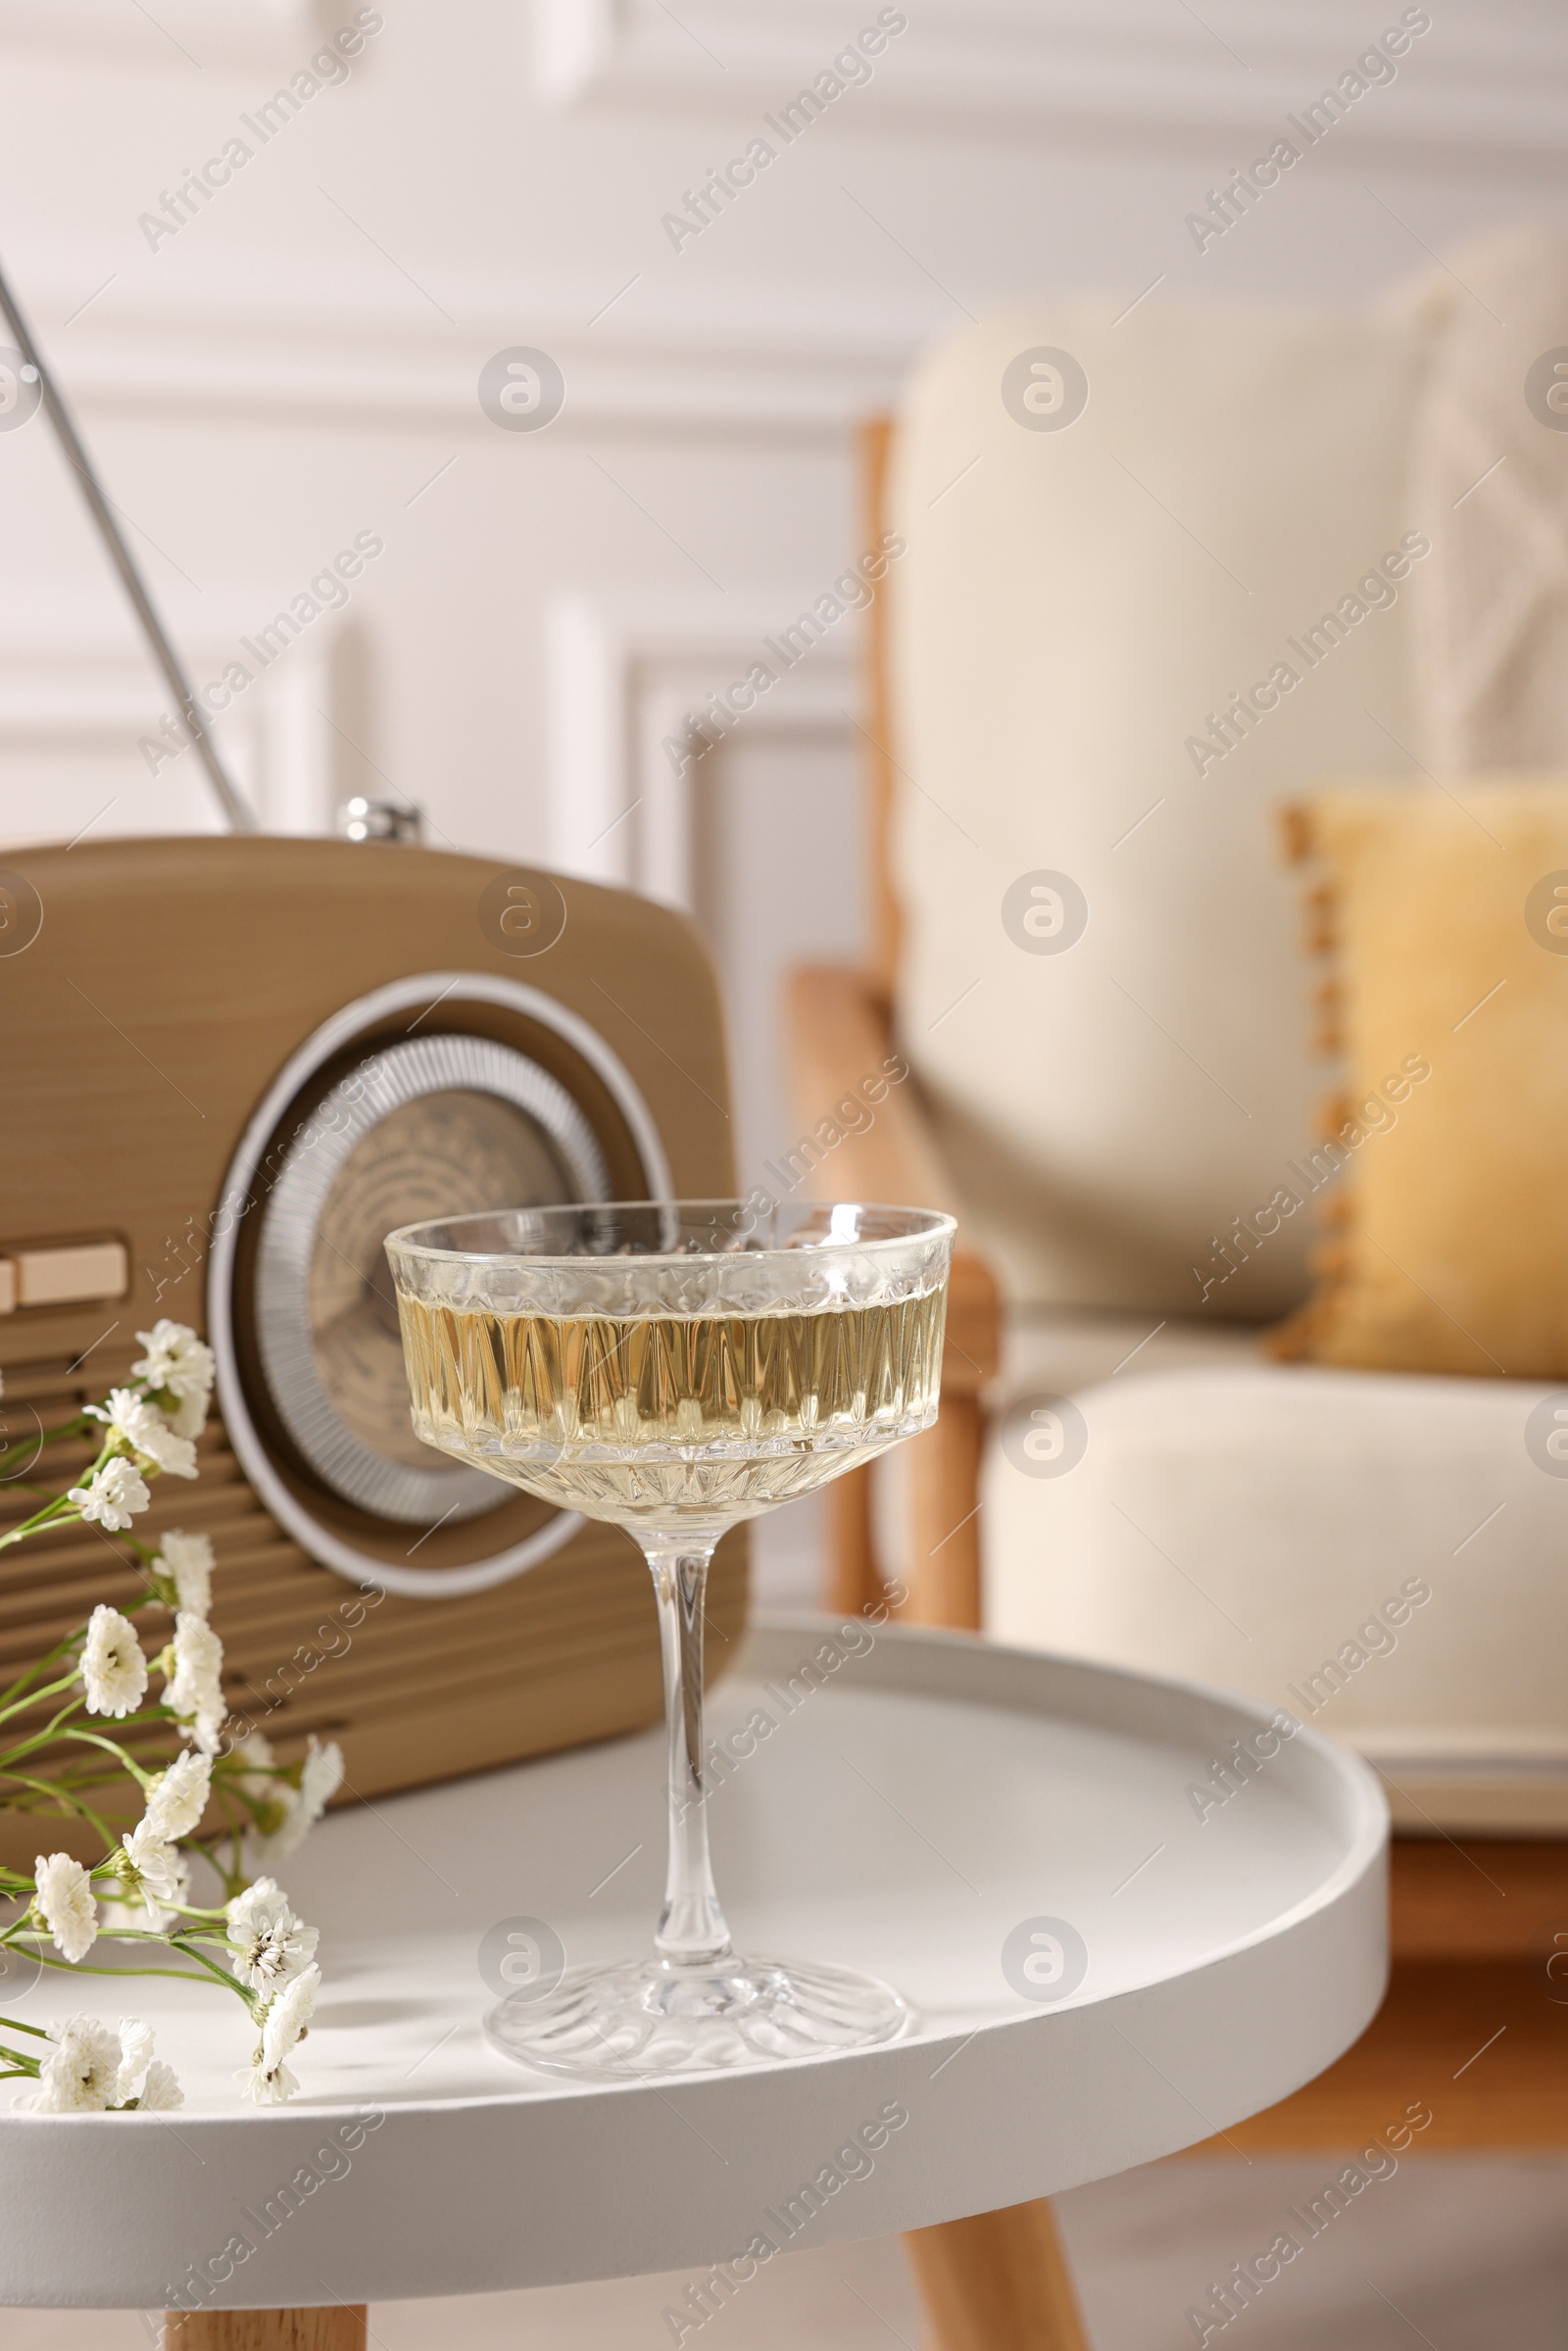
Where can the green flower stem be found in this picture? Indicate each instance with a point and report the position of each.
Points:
(78, 1426)
(181, 1975)
(211, 1928)
(63, 1511)
(235, 1875)
(24, 1681)
(155, 1718)
(96, 1739)
(35, 1697)
(156, 1715)
(227, 1788)
(222, 1975)
(72, 1779)
(57, 1514)
(51, 1730)
(11, 2023)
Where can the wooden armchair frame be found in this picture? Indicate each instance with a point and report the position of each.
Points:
(1475, 2026)
(839, 1024)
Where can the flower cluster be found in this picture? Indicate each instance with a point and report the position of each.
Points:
(140, 1890)
(275, 1955)
(149, 1429)
(92, 2067)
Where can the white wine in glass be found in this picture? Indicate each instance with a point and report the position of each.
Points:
(675, 1367)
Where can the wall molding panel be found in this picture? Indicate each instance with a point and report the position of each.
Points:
(808, 367)
(1133, 68)
(622, 677)
(74, 707)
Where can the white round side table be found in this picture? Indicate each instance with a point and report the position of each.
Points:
(1105, 1965)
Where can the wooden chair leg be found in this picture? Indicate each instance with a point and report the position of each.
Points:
(998, 2282)
(853, 1581)
(339, 2328)
(945, 1518)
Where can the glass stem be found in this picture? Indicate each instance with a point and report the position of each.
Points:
(691, 1926)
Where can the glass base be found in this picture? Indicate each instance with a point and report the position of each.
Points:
(644, 2018)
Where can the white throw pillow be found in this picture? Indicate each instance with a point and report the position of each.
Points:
(1077, 600)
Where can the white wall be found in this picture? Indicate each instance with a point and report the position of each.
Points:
(300, 363)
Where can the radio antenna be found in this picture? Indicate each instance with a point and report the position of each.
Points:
(237, 808)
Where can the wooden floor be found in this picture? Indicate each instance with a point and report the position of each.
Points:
(1475, 2027)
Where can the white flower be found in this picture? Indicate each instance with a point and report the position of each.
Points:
(288, 2015)
(137, 1425)
(65, 1904)
(164, 1448)
(303, 1807)
(322, 1775)
(176, 1362)
(255, 1750)
(135, 2056)
(122, 1411)
(81, 2073)
(115, 1495)
(266, 1789)
(195, 1688)
(267, 2085)
(92, 2067)
(138, 1908)
(190, 1417)
(159, 1873)
(268, 2080)
(145, 2079)
(114, 1671)
(178, 1798)
(270, 1946)
(160, 2089)
(133, 1422)
(186, 1560)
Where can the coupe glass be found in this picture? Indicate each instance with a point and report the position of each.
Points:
(675, 1367)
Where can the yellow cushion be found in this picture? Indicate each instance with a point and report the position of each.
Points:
(1450, 1008)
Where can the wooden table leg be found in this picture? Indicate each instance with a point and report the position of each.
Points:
(998, 2282)
(341, 2327)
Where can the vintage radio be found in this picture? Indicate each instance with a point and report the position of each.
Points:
(229, 1067)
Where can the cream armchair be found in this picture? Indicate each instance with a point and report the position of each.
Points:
(1089, 951)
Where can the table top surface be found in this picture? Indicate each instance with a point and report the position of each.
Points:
(917, 1805)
